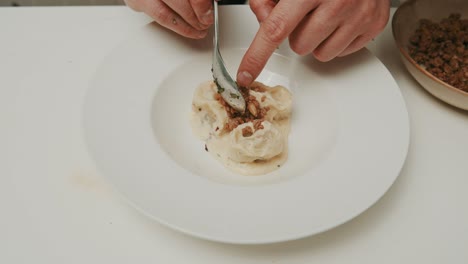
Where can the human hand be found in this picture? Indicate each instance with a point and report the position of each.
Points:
(325, 28)
(189, 18)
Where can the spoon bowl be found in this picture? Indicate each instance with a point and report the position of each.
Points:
(227, 87)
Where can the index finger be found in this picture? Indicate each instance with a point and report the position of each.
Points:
(273, 30)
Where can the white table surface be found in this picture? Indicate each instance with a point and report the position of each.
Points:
(56, 208)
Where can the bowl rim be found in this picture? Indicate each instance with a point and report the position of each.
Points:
(410, 59)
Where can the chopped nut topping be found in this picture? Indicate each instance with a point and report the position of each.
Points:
(247, 131)
(257, 124)
(252, 109)
(442, 48)
(255, 113)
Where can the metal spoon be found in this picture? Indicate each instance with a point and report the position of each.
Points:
(227, 87)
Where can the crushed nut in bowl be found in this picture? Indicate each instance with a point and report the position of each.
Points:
(432, 36)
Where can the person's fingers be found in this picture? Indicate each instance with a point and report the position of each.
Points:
(313, 30)
(373, 27)
(262, 8)
(335, 44)
(184, 9)
(357, 44)
(166, 17)
(273, 30)
(136, 5)
(203, 10)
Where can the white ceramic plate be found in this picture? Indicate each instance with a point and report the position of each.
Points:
(348, 142)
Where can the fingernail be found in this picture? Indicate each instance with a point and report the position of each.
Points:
(244, 78)
(207, 18)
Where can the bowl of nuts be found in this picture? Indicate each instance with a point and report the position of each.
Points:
(432, 36)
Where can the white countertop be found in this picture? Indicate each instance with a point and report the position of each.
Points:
(56, 208)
